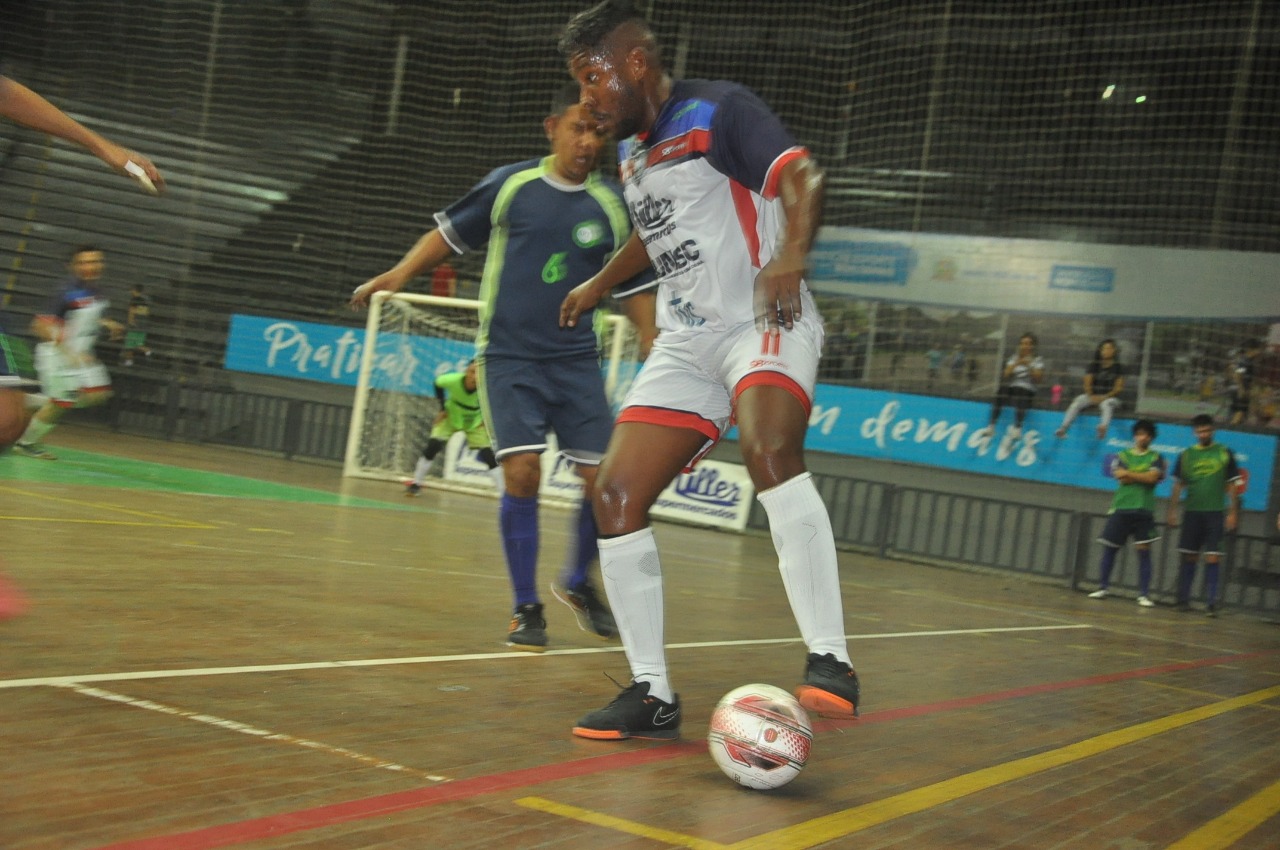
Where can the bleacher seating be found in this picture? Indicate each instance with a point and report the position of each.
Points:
(54, 196)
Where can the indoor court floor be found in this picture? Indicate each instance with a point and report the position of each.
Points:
(225, 649)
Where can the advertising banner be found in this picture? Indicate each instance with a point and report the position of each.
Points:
(945, 432)
(715, 494)
(331, 354)
(1043, 276)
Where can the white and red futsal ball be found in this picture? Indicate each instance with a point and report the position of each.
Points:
(760, 736)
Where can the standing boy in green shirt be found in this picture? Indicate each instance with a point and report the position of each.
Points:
(1138, 470)
(1211, 477)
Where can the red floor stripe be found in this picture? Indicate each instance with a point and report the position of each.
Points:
(273, 826)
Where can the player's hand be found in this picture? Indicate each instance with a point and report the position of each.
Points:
(1172, 519)
(580, 299)
(1232, 521)
(777, 293)
(385, 282)
(119, 158)
(114, 329)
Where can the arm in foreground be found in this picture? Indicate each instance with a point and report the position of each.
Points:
(30, 109)
(629, 261)
(777, 287)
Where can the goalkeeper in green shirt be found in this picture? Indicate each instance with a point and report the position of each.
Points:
(459, 411)
(1137, 470)
(1209, 474)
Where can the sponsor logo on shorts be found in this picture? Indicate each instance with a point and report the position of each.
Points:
(705, 485)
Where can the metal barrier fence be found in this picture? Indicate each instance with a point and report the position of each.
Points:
(915, 524)
(888, 520)
(176, 410)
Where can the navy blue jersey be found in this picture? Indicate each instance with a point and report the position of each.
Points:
(545, 237)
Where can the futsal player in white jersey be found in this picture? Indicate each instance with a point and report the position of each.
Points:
(70, 373)
(725, 204)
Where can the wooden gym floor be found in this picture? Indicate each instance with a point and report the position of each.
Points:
(227, 650)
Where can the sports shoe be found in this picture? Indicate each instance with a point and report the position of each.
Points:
(412, 489)
(633, 714)
(591, 613)
(1100, 593)
(1211, 610)
(830, 687)
(1146, 602)
(528, 630)
(36, 450)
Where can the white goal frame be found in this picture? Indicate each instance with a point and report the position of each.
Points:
(615, 351)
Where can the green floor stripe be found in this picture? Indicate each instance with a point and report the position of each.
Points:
(76, 468)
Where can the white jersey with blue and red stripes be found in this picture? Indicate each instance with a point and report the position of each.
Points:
(702, 191)
(79, 308)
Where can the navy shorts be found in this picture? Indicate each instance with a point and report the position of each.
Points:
(524, 400)
(1201, 532)
(1121, 525)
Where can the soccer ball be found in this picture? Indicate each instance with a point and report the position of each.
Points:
(760, 736)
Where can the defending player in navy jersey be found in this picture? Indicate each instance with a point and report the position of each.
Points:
(725, 204)
(549, 224)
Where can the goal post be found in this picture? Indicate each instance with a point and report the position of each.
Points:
(409, 341)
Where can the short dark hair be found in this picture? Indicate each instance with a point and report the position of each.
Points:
(588, 29)
(1145, 425)
(1201, 419)
(565, 96)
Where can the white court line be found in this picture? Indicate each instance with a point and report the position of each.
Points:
(480, 656)
(253, 731)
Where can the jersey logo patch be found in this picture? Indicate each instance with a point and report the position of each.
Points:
(588, 234)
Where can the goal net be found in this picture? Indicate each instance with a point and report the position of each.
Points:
(410, 340)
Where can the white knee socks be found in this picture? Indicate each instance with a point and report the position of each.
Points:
(633, 585)
(806, 549)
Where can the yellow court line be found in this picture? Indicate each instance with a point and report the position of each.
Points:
(1200, 693)
(167, 520)
(675, 839)
(1234, 824)
(843, 824)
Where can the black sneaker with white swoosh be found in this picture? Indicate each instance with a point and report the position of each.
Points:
(633, 714)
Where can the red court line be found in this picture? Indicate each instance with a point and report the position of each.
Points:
(272, 826)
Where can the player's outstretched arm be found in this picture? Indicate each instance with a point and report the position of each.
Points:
(26, 107)
(777, 287)
(427, 253)
(630, 261)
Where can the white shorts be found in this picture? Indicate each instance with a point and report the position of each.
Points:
(692, 379)
(64, 381)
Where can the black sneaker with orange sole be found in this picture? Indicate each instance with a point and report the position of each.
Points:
(633, 714)
(830, 687)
